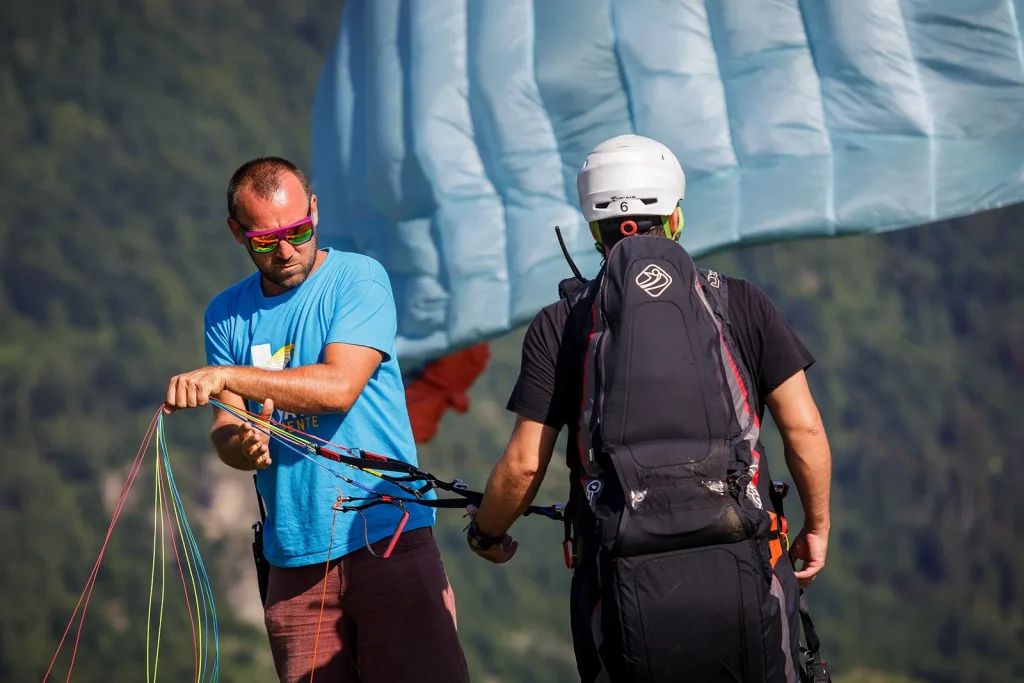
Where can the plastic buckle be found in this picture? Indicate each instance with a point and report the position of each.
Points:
(818, 672)
(459, 484)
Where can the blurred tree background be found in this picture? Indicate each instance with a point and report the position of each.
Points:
(121, 122)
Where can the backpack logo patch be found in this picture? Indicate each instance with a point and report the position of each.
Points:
(654, 280)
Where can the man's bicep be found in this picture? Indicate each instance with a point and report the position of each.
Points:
(356, 362)
(792, 407)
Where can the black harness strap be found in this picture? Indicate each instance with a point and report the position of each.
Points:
(371, 461)
(262, 566)
(817, 670)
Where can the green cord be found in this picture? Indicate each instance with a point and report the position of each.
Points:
(152, 570)
(163, 575)
(195, 591)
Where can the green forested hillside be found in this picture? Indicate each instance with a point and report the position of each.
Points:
(120, 125)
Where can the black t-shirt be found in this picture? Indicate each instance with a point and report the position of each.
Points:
(549, 386)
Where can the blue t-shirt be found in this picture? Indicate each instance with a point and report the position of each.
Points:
(348, 299)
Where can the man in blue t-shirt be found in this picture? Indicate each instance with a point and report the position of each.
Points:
(309, 341)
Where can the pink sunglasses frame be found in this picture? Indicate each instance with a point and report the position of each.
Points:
(282, 232)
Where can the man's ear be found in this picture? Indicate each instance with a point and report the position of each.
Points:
(313, 211)
(236, 230)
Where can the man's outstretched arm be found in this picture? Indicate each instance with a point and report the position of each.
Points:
(810, 462)
(514, 482)
(329, 387)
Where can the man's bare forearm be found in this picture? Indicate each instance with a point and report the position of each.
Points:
(510, 490)
(310, 389)
(810, 462)
(229, 447)
(516, 477)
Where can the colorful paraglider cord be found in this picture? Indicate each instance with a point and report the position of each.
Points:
(170, 524)
(395, 472)
(398, 473)
(169, 512)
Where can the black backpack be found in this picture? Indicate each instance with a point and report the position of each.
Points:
(674, 548)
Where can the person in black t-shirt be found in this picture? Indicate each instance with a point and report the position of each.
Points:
(547, 393)
(548, 387)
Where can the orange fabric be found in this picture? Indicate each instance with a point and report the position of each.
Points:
(443, 386)
(775, 544)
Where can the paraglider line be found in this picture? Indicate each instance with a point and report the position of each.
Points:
(91, 581)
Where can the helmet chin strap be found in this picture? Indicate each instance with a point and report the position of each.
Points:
(666, 224)
(628, 227)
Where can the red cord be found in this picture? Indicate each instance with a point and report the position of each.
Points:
(91, 581)
(293, 429)
(398, 532)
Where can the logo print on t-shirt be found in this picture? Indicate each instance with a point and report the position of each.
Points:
(262, 359)
(653, 280)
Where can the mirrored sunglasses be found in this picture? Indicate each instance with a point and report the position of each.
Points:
(265, 241)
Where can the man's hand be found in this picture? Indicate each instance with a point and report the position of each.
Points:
(811, 547)
(498, 554)
(254, 443)
(195, 388)
(810, 462)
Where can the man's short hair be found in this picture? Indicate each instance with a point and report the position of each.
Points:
(647, 226)
(263, 177)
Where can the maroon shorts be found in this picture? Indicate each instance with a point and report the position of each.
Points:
(384, 621)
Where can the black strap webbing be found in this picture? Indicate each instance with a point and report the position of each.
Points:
(817, 670)
(412, 473)
(262, 566)
(259, 499)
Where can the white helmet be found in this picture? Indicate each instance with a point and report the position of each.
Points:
(630, 175)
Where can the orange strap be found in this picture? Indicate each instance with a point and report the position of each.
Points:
(775, 544)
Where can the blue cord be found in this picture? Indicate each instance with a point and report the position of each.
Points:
(206, 588)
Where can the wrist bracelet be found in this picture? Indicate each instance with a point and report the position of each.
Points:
(478, 540)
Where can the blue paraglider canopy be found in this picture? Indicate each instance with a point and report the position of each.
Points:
(447, 134)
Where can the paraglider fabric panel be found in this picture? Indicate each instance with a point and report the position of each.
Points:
(447, 134)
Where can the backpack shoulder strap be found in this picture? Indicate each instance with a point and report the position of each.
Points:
(576, 291)
(568, 287)
(717, 289)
